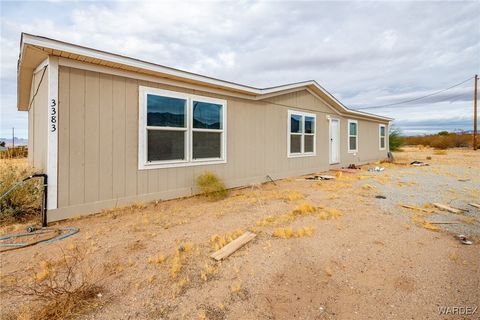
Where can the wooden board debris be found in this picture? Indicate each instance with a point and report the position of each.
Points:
(476, 205)
(416, 208)
(444, 222)
(347, 170)
(233, 246)
(448, 208)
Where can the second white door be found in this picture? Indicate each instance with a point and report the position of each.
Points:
(334, 141)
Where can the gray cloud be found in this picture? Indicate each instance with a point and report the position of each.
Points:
(366, 54)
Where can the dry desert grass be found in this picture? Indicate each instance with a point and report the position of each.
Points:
(324, 250)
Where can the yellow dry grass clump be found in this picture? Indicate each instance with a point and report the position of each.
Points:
(178, 259)
(420, 221)
(329, 213)
(287, 233)
(236, 287)
(301, 210)
(292, 196)
(218, 241)
(156, 259)
(25, 201)
(208, 271)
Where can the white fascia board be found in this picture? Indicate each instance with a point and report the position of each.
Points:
(114, 58)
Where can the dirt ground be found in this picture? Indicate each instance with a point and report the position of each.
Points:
(350, 254)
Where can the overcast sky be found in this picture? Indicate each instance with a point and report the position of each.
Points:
(366, 54)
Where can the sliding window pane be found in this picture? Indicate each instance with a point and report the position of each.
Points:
(353, 143)
(382, 142)
(207, 145)
(295, 143)
(353, 129)
(309, 125)
(382, 131)
(207, 115)
(166, 145)
(295, 123)
(166, 111)
(309, 139)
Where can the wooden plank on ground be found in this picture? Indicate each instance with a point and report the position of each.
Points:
(444, 222)
(448, 208)
(347, 170)
(233, 246)
(416, 208)
(476, 205)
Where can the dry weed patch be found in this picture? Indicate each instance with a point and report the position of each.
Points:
(57, 289)
(287, 233)
(156, 259)
(420, 221)
(292, 196)
(301, 210)
(178, 259)
(218, 241)
(24, 202)
(208, 271)
(329, 214)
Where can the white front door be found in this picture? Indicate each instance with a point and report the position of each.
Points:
(334, 141)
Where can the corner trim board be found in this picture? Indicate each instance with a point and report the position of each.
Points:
(52, 127)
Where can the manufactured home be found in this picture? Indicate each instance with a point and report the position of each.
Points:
(110, 130)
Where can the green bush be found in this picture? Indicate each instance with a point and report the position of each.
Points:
(395, 139)
(212, 187)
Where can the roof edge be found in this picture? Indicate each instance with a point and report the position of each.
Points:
(53, 44)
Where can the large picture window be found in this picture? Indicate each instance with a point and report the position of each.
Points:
(178, 129)
(301, 134)
(352, 136)
(382, 135)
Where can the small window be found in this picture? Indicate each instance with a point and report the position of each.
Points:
(383, 135)
(301, 134)
(178, 129)
(352, 136)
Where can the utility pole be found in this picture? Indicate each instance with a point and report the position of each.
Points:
(13, 137)
(475, 134)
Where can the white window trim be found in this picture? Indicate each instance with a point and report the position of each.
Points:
(314, 134)
(188, 161)
(380, 126)
(348, 136)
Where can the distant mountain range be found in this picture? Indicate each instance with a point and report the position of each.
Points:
(18, 141)
(169, 119)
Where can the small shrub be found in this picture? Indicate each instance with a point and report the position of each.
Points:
(395, 139)
(23, 202)
(212, 187)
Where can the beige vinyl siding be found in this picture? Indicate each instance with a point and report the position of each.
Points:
(98, 143)
(38, 122)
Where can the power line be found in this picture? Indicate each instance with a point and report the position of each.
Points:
(415, 99)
